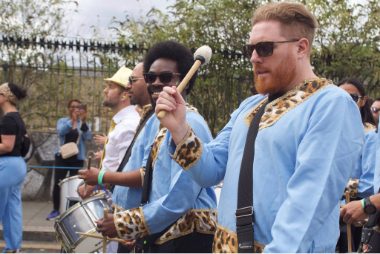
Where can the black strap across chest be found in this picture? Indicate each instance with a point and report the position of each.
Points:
(129, 150)
(245, 215)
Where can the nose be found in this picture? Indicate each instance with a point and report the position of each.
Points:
(255, 58)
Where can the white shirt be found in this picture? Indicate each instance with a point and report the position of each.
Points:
(120, 137)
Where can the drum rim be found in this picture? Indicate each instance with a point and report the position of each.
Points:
(68, 179)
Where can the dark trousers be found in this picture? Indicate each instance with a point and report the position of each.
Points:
(342, 245)
(192, 243)
(60, 174)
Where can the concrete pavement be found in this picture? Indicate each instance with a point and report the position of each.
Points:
(38, 233)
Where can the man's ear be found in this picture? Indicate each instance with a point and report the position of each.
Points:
(303, 46)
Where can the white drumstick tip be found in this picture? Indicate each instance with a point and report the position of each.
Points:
(203, 54)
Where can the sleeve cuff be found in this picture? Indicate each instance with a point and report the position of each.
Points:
(188, 151)
(130, 224)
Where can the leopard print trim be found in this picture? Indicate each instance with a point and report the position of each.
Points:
(199, 220)
(130, 224)
(369, 127)
(225, 241)
(188, 151)
(157, 144)
(352, 187)
(277, 108)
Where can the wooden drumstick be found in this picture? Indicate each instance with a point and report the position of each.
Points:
(349, 234)
(105, 213)
(88, 168)
(100, 237)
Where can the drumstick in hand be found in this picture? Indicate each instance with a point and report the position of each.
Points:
(88, 168)
(105, 213)
(349, 235)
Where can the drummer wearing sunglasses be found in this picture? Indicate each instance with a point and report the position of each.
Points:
(175, 201)
(284, 154)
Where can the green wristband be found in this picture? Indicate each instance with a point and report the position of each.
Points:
(100, 177)
(363, 203)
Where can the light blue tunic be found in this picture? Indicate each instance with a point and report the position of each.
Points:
(127, 197)
(302, 164)
(366, 166)
(174, 192)
(376, 180)
(64, 126)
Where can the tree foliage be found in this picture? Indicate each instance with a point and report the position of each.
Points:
(347, 44)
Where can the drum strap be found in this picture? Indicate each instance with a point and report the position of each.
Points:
(245, 215)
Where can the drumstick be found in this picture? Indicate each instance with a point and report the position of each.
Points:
(100, 237)
(88, 168)
(105, 213)
(349, 235)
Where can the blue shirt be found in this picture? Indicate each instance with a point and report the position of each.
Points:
(174, 192)
(366, 166)
(304, 150)
(127, 197)
(64, 126)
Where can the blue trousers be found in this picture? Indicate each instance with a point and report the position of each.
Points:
(12, 174)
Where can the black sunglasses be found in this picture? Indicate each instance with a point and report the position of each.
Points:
(375, 110)
(165, 77)
(263, 49)
(355, 97)
(132, 79)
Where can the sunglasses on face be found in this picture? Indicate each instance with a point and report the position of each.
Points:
(355, 97)
(375, 110)
(132, 79)
(263, 49)
(164, 77)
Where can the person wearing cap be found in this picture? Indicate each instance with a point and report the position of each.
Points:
(124, 122)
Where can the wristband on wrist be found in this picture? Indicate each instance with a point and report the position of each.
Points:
(100, 177)
(363, 203)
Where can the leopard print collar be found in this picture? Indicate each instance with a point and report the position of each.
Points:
(278, 107)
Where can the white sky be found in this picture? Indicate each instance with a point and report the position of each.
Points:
(99, 13)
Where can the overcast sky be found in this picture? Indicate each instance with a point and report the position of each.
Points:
(99, 13)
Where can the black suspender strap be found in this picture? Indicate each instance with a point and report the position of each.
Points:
(129, 150)
(148, 177)
(245, 214)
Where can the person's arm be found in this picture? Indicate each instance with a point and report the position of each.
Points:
(7, 143)
(328, 150)
(368, 161)
(64, 125)
(131, 179)
(353, 212)
(183, 191)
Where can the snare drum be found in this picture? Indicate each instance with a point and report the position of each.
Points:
(68, 192)
(81, 218)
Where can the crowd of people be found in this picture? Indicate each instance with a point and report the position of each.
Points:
(297, 160)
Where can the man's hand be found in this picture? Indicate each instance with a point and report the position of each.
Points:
(90, 176)
(84, 191)
(353, 213)
(171, 101)
(100, 139)
(106, 226)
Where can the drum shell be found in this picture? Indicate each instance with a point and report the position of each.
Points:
(68, 189)
(81, 218)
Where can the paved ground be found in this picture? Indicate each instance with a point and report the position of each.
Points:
(38, 233)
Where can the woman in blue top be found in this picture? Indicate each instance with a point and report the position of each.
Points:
(70, 129)
(12, 166)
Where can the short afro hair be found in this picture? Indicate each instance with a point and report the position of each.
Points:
(174, 51)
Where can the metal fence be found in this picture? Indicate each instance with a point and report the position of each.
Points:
(55, 71)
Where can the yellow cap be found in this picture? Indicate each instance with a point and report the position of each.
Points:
(121, 76)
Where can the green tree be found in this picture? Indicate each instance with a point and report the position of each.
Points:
(347, 44)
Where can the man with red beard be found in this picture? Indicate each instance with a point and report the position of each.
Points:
(286, 153)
